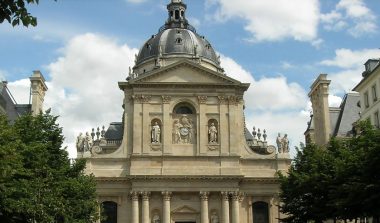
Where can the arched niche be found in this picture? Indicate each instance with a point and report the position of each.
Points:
(156, 129)
(184, 123)
(109, 212)
(213, 131)
(260, 211)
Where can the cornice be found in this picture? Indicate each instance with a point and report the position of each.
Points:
(160, 178)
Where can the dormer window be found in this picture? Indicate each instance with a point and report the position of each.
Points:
(208, 46)
(178, 41)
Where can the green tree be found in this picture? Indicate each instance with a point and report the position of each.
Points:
(38, 183)
(341, 181)
(15, 11)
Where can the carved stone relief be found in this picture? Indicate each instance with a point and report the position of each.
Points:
(184, 129)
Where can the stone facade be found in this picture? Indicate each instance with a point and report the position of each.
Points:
(184, 154)
(369, 90)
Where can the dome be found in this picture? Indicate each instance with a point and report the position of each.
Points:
(177, 39)
(178, 42)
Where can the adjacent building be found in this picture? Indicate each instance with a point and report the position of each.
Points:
(325, 121)
(182, 152)
(369, 90)
(12, 109)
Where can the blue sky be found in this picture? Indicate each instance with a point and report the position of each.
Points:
(280, 46)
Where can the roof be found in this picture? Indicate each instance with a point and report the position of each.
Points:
(177, 38)
(12, 109)
(342, 117)
(375, 64)
(349, 113)
(115, 131)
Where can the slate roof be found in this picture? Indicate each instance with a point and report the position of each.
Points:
(12, 109)
(115, 131)
(348, 115)
(342, 117)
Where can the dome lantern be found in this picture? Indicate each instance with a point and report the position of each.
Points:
(175, 40)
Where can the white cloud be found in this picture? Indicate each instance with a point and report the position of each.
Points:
(2, 75)
(270, 94)
(20, 90)
(272, 20)
(354, 8)
(83, 88)
(352, 15)
(350, 64)
(272, 104)
(347, 58)
(334, 101)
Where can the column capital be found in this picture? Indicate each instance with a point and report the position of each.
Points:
(237, 196)
(167, 195)
(225, 195)
(145, 195)
(134, 195)
(166, 99)
(204, 195)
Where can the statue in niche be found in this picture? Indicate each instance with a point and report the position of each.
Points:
(213, 133)
(156, 218)
(156, 132)
(176, 131)
(214, 218)
(279, 143)
(88, 142)
(285, 144)
(80, 142)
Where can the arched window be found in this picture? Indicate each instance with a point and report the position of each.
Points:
(178, 41)
(177, 14)
(183, 109)
(260, 212)
(109, 214)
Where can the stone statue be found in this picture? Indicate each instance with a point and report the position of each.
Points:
(159, 51)
(156, 219)
(176, 131)
(285, 144)
(279, 143)
(214, 218)
(213, 133)
(80, 142)
(156, 132)
(88, 142)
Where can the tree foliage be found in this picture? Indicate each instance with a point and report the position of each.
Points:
(38, 183)
(340, 182)
(15, 11)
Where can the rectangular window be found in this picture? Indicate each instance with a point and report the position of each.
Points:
(374, 93)
(366, 100)
(377, 119)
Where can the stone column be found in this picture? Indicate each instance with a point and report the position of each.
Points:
(166, 196)
(145, 207)
(225, 207)
(166, 129)
(203, 128)
(237, 197)
(250, 211)
(135, 207)
(204, 207)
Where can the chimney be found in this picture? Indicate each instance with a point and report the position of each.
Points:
(38, 89)
(319, 94)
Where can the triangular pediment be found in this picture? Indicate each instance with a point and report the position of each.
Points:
(184, 210)
(185, 71)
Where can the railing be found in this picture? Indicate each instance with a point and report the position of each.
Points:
(177, 25)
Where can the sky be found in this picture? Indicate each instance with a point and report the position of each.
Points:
(84, 47)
